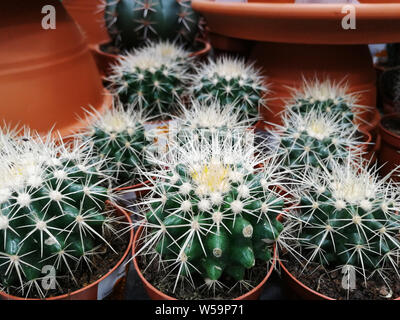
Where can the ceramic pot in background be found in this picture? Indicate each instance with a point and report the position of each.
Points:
(46, 75)
(389, 155)
(89, 14)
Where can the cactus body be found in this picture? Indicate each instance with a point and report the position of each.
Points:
(131, 23)
(202, 119)
(315, 139)
(119, 138)
(213, 212)
(153, 78)
(52, 212)
(328, 97)
(348, 216)
(230, 81)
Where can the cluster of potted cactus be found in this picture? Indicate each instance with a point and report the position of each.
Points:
(56, 217)
(217, 200)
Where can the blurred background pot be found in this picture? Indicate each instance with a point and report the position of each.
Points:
(389, 155)
(89, 14)
(46, 75)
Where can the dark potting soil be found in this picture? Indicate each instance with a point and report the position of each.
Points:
(101, 265)
(393, 125)
(329, 282)
(185, 291)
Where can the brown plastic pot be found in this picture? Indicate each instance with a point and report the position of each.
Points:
(389, 156)
(306, 40)
(105, 60)
(298, 287)
(89, 14)
(46, 76)
(91, 291)
(156, 294)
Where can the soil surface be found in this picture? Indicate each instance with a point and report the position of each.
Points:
(329, 282)
(101, 265)
(184, 291)
(393, 125)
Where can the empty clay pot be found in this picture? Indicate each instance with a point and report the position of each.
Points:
(46, 75)
(95, 290)
(89, 14)
(389, 155)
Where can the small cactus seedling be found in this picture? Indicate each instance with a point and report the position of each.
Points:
(131, 23)
(203, 119)
(118, 136)
(315, 138)
(348, 216)
(52, 212)
(212, 212)
(327, 96)
(153, 78)
(230, 81)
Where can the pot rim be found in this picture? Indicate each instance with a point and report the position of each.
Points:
(386, 131)
(313, 292)
(119, 209)
(166, 297)
(96, 48)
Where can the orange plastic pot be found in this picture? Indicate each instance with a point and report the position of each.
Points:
(156, 294)
(105, 60)
(298, 287)
(389, 156)
(46, 75)
(91, 291)
(89, 14)
(306, 40)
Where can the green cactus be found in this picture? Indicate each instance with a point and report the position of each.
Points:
(347, 216)
(131, 23)
(230, 81)
(327, 96)
(202, 119)
(315, 138)
(119, 138)
(212, 211)
(52, 212)
(153, 78)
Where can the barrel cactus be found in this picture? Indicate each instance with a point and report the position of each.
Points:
(52, 213)
(328, 96)
(348, 216)
(202, 119)
(212, 212)
(131, 23)
(230, 81)
(315, 138)
(118, 137)
(153, 78)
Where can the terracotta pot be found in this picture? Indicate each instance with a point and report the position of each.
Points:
(389, 155)
(89, 14)
(306, 40)
(156, 294)
(92, 291)
(105, 60)
(298, 287)
(222, 45)
(46, 76)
